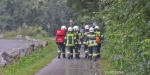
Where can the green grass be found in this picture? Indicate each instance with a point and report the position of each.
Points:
(107, 67)
(33, 63)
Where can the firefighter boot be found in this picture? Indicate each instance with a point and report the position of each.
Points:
(68, 56)
(90, 57)
(98, 56)
(71, 56)
(86, 55)
(95, 58)
(76, 56)
(59, 55)
(64, 56)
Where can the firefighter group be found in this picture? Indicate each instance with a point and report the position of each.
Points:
(70, 40)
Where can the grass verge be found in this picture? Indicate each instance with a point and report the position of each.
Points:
(107, 67)
(33, 63)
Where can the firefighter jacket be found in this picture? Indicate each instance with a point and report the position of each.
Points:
(85, 37)
(86, 32)
(97, 33)
(78, 37)
(70, 39)
(90, 40)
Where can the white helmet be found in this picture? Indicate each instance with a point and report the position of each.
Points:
(69, 28)
(76, 28)
(87, 27)
(96, 27)
(91, 29)
(63, 28)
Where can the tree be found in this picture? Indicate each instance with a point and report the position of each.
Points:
(34, 12)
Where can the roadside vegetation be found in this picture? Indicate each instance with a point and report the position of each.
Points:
(37, 59)
(33, 63)
(127, 35)
(25, 30)
(125, 25)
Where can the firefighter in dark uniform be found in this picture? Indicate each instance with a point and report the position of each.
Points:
(97, 32)
(92, 45)
(78, 36)
(70, 38)
(86, 31)
(61, 46)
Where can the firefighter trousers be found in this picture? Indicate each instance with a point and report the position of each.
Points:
(70, 52)
(92, 52)
(61, 49)
(77, 50)
(86, 50)
(98, 50)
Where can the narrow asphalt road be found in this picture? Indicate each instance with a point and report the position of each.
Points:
(73, 66)
(8, 45)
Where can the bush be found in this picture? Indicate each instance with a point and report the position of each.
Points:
(33, 31)
(33, 63)
(127, 35)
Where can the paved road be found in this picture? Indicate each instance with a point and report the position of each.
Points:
(7, 45)
(74, 66)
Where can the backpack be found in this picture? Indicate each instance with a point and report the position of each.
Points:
(98, 39)
(60, 34)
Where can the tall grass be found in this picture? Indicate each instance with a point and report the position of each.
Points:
(24, 30)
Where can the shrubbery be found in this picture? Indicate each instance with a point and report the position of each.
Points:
(127, 35)
(33, 31)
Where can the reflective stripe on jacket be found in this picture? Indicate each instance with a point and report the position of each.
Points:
(97, 33)
(85, 38)
(70, 37)
(78, 37)
(91, 40)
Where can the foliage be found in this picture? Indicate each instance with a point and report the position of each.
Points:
(33, 63)
(87, 11)
(126, 27)
(33, 31)
(84, 6)
(15, 13)
(126, 31)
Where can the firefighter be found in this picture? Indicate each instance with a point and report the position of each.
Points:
(61, 45)
(92, 45)
(70, 38)
(97, 33)
(85, 43)
(78, 36)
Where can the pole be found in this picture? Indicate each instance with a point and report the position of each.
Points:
(3, 28)
(48, 26)
(70, 24)
(48, 31)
